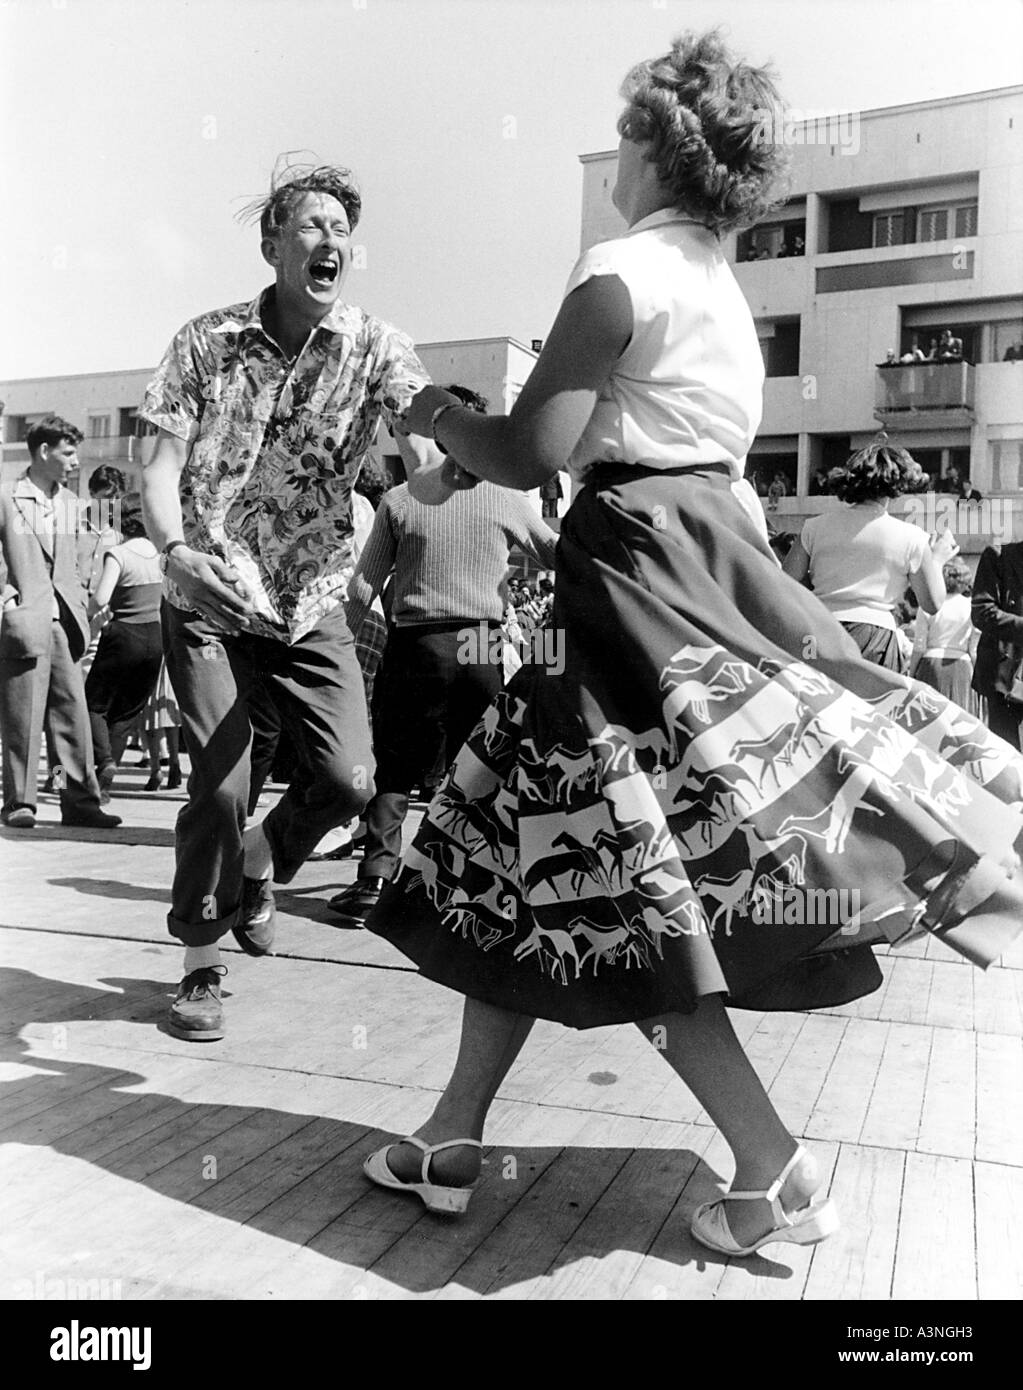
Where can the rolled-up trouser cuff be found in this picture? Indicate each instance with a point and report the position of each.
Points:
(201, 933)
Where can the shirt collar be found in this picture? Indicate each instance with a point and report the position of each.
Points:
(27, 488)
(250, 319)
(663, 217)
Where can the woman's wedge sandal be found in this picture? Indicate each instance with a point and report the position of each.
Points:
(805, 1226)
(448, 1201)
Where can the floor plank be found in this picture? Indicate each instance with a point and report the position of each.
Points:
(999, 1200)
(950, 1002)
(999, 1109)
(935, 1257)
(800, 1079)
(998, 1001)
(908, 992)
(948, 1122)
(844, 1099)
(893, 1115)
(858, 1262)
(604, 1255)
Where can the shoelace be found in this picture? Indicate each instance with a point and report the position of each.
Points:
(194, 987)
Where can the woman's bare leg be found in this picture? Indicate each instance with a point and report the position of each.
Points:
(703, 1050)
(491, 1040)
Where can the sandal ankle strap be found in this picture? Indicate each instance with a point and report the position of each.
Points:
(773, 1193)
(430, 1149)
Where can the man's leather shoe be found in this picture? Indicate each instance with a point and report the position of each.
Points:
(359, 899)
(197, 1013)
(90, 820)
(21, 818)
(257, 917)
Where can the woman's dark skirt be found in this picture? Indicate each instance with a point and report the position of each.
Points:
(878, 645)
(705, 789)
(120, 681)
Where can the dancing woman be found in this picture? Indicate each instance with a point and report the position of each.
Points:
(604, 844)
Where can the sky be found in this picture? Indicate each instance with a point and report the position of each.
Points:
(133, 131)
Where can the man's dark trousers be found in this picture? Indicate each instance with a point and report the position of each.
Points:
(427, 700)
(316, 683)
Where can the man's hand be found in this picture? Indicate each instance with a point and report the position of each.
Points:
(212, 587)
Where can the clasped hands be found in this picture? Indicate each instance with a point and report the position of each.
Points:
(418, 419)
(213, 588)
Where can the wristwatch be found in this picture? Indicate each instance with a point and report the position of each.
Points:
(165, 554)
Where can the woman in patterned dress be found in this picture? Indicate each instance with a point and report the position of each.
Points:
(611, 843)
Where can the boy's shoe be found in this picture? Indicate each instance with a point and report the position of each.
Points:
(257, 918)
(197, 1013)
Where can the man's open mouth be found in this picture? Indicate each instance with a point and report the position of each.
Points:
(324, 270)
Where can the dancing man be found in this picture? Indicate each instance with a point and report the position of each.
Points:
(265, 413)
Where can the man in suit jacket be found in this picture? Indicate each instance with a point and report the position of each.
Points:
(997, 610)
(43, 635)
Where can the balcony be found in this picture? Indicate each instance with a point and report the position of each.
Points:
(115, 449)
(925, 395)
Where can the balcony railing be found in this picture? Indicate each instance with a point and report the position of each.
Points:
(116, 448)
(924, 388)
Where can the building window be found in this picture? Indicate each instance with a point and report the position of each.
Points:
(991, 332)
(777, 470)
(779, 343)
(15, 429)
(932, 224)
(99, 426)
(771, 241)
(890, 228)
(1007, 341)
(848, 229)
(928, 340)
(966, 220)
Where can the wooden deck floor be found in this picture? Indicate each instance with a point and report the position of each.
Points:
(232, 1169)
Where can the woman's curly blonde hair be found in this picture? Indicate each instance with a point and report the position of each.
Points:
(709, 120)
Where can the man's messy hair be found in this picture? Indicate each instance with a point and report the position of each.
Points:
(289, 184)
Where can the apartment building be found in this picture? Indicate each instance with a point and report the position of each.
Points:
(901, 224)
